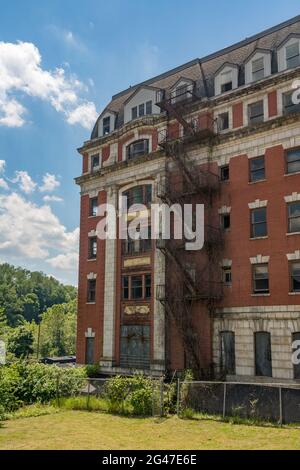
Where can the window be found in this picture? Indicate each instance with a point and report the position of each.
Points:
(132, 247)
(125, 287)
(181, 93)
(225, 173)
(294, 217)
(226, 81)
(256, 112)
(293, 161)
(106, 125)
(261, 279)
(259, 222)
(258, 71)
(228, 352)
(148, 286)
(149, 107)
(92, 248)
(137, 148)
(225, 221)
(288, 106)
(95, 162)
(295, 277)
(257, 169)
(227, 278)
(296, 337)
(134, 112)
(226, 87)
(223, 121)
(91, 292)
(292, 55)
(141, 110)
(89, 351)
(139, 195)
(263, 356)
(137, 287)
(93, 206)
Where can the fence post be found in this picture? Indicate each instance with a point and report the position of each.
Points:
(178, 397)
(162, 397)
(88, 397)
(224, 400)
(57, 391)
(280, 407)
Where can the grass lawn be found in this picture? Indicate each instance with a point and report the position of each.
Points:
(89, 430)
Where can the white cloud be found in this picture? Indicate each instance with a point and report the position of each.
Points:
(85, 114)
(64, 262)
(3, 184)
(21, 71)
(52, 199)
(50, 183)
(2, 166)
(25, 182)
(34, 232)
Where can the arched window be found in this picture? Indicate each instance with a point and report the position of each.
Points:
(137, 148)
(139, 195)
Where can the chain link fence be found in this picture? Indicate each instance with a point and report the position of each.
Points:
(273, 402)
(278, 403)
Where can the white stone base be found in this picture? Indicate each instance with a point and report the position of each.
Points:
(279, 321)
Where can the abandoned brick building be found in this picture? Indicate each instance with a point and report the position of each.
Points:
(223, 131)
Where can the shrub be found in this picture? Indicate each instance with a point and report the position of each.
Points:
(23, 383)
(187, 413)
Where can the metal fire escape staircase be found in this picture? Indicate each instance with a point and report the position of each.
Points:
(185, 286)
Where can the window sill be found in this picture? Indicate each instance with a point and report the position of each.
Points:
(91, 259)
(294, 293)
(291, 174)
(289, 234)
(260, 295)
(258, 181)
(90, 303)
(92, 216)
(259, 238)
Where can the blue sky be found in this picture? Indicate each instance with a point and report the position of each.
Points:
(60, 62)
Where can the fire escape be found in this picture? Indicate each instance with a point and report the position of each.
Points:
(193, 278)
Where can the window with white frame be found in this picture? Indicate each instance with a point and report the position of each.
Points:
(256, 112)
(258, 69)
(106, 125)
(223, 121)
(288, 106)
(292, 53)
(141, 110)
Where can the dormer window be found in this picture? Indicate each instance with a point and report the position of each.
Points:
(137, 149)
(258, 69)
(106, 125)
(226, 81)
(226, 78)
(141, 110)
(292, 55)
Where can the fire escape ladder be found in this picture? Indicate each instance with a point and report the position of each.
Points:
(174, 111)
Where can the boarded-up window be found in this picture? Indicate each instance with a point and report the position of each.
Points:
(228, 352)
(296, 357)
(89, 351)
(263, 356)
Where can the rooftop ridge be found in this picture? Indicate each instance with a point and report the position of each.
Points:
(211, 56)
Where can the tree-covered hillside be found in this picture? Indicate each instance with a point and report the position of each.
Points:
(25, 295)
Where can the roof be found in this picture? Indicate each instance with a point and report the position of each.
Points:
(203, 70)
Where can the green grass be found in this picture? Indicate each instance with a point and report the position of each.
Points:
(90, 430)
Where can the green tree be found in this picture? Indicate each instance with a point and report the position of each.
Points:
(20, 341)
(58, 330)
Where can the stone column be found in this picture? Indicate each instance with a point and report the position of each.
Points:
(108, 357)
(158, 361)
